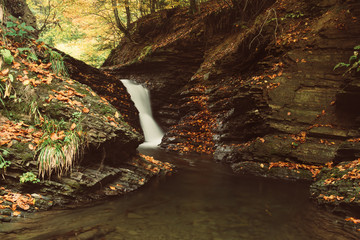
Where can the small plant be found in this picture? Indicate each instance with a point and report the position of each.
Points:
(2, 90)
(18, 30)
(146, 51)
(29, 177)
(57, 62)
(293, 15)
(35, 113)
(4, 163)
(354, 62)
(7, 56)
(58, 148)
(6, 89)
(30, 55)
(75, 116)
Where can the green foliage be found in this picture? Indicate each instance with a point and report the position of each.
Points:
(146, 51)
(58, 147)
(294, 15)
(76, 117)
(29, 53)
(57, 62)
(7, 56)
(354, 62)
(29, 177)
(4, 163)
(18, 30)
(341, 64)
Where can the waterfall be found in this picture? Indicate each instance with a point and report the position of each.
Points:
(141, 98)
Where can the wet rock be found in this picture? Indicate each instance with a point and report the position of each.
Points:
(103, 159)
(134, 216)
(338, 188)
(263, 170)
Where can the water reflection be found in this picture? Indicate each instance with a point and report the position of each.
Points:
(205, 201)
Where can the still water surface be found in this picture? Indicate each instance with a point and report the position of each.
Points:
(202, 201)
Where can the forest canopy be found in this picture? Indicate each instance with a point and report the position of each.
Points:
(89, 29)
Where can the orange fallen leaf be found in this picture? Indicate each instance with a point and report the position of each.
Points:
(112, 188)
(13, 206)
(16, 213)
(5, 72)
(16, 65)
(85, 110)
(73, 126)
(50, 98)
(31, 147)
(22, 205)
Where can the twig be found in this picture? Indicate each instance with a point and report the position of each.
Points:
(262, 26)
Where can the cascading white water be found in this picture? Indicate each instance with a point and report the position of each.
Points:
(141, 98)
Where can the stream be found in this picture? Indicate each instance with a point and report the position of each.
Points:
(202, 200)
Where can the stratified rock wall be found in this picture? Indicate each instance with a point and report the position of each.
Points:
(264, 86)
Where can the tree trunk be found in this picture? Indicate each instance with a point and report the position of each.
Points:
(152, 6)
(193, 8)
(120, 24)
(128, 14)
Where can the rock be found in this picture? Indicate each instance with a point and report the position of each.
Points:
(267, 98)
(70, 143)
(338, 188)
(134, 216)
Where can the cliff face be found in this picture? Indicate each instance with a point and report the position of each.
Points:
(257, 90)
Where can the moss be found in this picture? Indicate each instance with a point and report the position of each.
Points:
(22, 151)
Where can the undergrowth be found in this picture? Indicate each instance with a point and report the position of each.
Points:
(58, 148)
(354, 62)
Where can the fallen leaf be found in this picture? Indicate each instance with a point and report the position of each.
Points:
(85, 110)
(26, 82)
(54, 137)
(13, 207)
(16, 213)
(112, 188)
(73, 126)
(16, 65)
(5, 72)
